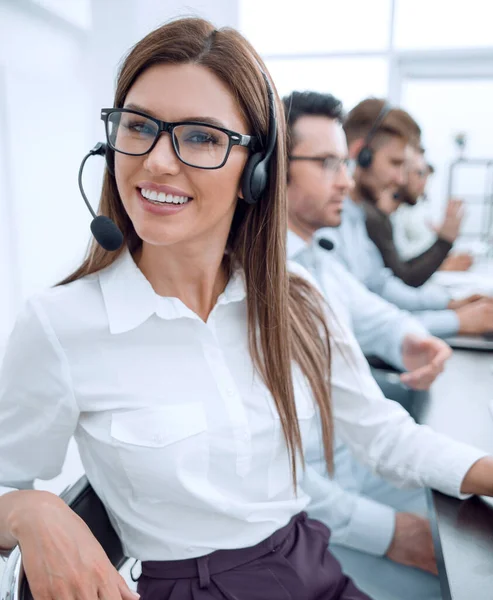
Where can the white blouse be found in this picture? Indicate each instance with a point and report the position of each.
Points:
(177, 434)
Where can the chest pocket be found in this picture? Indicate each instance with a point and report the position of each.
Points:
(160, 447)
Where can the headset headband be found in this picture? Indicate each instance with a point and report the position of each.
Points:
(384, 111)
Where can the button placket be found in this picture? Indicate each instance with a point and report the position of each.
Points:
(232, 400)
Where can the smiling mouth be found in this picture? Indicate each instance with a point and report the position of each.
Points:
(160, 198)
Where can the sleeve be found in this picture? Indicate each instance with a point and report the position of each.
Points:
(38, 412)
(379, 327)
(440, 323)
(411, 233)
(415, 271)
(355, 521)
(382, 434)
(394, 290)
(379, 279)
(419, 269)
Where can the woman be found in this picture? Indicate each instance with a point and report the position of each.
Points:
(187, 364)
(191, 367)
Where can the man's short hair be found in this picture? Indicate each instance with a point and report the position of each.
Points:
(301, 104)
(397, 122)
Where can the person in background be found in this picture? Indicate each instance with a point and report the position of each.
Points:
(380, 527)
(413, 232)
(418, 270)
(375, 129)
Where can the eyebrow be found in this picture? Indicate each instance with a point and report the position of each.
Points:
(202, 119)
(324, 155)
(331, 155)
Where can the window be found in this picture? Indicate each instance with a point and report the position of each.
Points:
(422, 25)
(349, 79)
(77, 12)
(277, 27)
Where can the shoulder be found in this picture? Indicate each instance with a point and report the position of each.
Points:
(374, 215)
(296, 269)
(66, 309)
(68, 297)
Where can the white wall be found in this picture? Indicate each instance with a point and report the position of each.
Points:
(44, 117)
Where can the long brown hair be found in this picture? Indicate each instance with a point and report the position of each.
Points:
(285, 314)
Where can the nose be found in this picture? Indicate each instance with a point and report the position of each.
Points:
(162, 158)
(344, 179)
(401, 177)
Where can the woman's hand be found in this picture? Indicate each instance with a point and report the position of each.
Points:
(61, 557)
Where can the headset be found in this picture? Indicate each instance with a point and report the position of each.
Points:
(253, 182)
(256, 172)
(365, 155)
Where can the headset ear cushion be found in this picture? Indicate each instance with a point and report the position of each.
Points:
(365, 157)
(110, 160)
(254, 179)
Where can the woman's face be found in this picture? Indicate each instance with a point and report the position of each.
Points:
(199, 204)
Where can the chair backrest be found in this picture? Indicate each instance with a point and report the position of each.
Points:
(85, 503)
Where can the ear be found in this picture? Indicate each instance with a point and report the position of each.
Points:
(355, 148)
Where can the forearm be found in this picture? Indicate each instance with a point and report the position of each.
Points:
(394, 290)
(355, 521)
(479, 478)
(8, 503)
(440, 323)
(420, 268)
(370, 529)
(13, 509)
(384, 436)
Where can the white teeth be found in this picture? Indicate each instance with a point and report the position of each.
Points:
(162, 198)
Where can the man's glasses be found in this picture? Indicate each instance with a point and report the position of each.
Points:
(330, 164)
(196, 144)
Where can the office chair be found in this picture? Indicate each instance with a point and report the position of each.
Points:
(84, 502)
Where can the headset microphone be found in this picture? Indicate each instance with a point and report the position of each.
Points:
(104, 230)
(326, 244)
(396, 196)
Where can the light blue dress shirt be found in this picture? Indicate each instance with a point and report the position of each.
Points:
(379, 327)
(361, 257)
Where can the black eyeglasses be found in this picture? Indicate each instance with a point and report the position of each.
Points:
(196, 144)
(331, 164)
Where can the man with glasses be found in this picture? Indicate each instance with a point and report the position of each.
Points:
(379, 533)
(417, 270)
